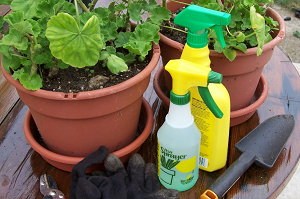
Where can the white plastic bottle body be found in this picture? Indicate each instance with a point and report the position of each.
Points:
(178, 153)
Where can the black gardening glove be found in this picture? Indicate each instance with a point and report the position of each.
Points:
(101, 186)
(143, 182)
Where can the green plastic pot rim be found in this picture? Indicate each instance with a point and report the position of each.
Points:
(74, 160)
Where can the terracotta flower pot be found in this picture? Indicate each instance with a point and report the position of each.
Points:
(76, 124)
(241, 76)
(66, 163)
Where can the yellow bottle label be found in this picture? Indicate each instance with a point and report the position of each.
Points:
(204, 120)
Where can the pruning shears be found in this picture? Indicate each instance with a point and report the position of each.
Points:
(49, 188)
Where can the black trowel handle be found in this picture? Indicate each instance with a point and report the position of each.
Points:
(229, 177)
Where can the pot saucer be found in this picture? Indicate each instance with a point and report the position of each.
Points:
(236, 117)
(66, 163)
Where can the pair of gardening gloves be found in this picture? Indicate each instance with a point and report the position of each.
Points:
(140, 181)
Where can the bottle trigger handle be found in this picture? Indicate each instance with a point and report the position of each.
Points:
(210, 102)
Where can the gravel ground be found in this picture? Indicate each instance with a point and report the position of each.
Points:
(290, 44)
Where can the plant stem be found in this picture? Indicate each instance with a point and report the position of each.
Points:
(82, 5)
(34, 66)
(164, 3)
(221, 4)
(128, 25)
(77, 13)
(229, 31)
(187, 4)
(93, 5)
(172, 28)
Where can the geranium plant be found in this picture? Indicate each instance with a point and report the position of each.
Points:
(53, 34)
(249, 27)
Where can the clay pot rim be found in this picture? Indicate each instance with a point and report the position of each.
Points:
(275, 41)
(233, 114)
(90, 94)
(74, 160)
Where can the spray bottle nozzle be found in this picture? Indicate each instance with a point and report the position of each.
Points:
(197, 19)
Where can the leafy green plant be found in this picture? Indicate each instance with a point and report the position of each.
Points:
(53, 34)
(249, 27)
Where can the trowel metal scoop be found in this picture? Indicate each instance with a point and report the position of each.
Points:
(262, 146)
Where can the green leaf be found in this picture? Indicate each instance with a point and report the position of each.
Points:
(43, 57)
(230, 54)
(46, 8)
(67, 8)
(135, 11)
(116, 64)
(28, 7)
(152, 28)
(25, 62)
(138, 48)
(12, 62)
(18, 73)
(258, 25)
(111, 31)
(5, 50)
(157, 15)
(120, 7)
(218, 47)
(16, 39)
(242, 47)
(141, 35)
(103, 55)
(85, 16)
(121, 21)
(214, 6)
(129, 58)
(240, 37)
(110, 50)
(6, 2)
(152, 5)
(246, 24)
(74, 46)
(33, 82)
(62, 65)
(122, 38)
(103, 13)
(14, 17)
(248, 2)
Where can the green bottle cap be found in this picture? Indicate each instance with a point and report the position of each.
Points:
(197, 40)
(180, 99)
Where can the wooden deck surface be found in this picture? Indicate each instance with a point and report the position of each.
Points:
(22, 166)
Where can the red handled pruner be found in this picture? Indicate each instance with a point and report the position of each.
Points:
(49, 188)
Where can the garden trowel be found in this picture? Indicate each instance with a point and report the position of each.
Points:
(262, 146)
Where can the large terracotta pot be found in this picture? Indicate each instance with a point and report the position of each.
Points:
(76, 124)
(66, 163)
(241, 76)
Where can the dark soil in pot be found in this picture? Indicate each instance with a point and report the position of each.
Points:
(74, 80)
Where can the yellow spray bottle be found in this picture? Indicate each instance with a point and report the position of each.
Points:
(214, 127)
(179, 138)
